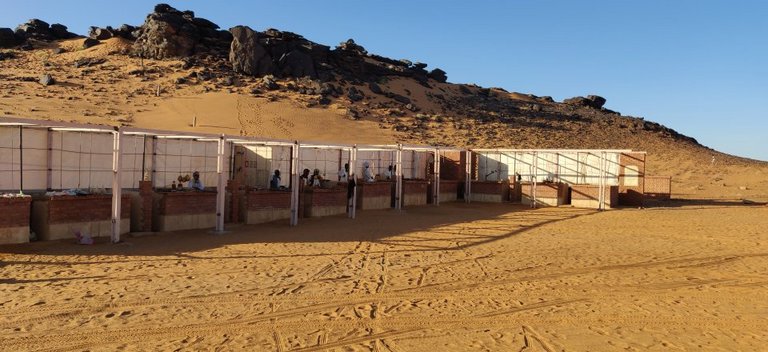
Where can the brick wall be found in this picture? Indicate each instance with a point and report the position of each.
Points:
(326, 197)
(64, 209)
(545, 190)
(451, 166)
(15, 211)
(449, 186)
(179, 203)
(145, 192)
(658, 187)
(376, 189)
(415, 187)
(257, 200)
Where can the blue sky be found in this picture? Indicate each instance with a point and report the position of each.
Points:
(699, 67)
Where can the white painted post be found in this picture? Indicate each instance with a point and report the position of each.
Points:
(436, 166)
(535, 178)
(117, 193)
(295, 184)
(399, 177)
(221, 192)
(467, 176)
(352, 175)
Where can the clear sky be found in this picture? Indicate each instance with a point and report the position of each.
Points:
(697, 66)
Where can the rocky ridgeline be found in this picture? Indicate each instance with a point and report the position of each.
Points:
(33, 29)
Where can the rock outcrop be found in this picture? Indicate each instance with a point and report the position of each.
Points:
(8, 38)
(591, 101)
(170, 33)
(41, 30)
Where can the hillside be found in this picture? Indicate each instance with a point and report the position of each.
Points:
(280, 85)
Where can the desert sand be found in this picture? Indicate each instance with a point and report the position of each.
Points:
(459, 277)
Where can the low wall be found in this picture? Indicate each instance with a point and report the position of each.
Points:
(449, 190)
(587, 196)
(489, 191)
(375, 195)
(185, 210)
(59, 217)
(265, 206)
(658, 187)
(324, 202)
(549, 193)
(415, 192)
(14, 219)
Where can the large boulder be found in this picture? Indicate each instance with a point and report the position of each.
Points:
(297, 63)
(59, 31)
(8, 38)
(438, 75)
(34, 28)
(591, 101)
(169, 33)
(100, 33)
(247, 55)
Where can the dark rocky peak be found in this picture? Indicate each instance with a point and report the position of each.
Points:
(590, 101)
(351, 47)
(41, 30)
(170, 33)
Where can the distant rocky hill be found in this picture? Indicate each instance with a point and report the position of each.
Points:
(115, 74)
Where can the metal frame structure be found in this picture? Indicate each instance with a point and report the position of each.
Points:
(602, 169)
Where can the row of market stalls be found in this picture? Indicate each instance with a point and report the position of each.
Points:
(61, 179)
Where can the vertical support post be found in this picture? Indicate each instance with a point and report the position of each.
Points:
(535, 177)
(154, 162)
(601, 192)
(21, 159)
(117, 191)
(295, 184)
(221, 191)
(352, 177)
(49, 161)
(399, 177)
(467, 175)
(436, 171)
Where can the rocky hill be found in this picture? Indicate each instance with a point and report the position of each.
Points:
(279, 84)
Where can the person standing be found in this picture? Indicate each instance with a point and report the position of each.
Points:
(274, 183)
(196, 183)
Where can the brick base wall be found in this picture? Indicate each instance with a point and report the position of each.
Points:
(376, 195)
(58, 217)
(487, 191)
(587, 196)
(415, 192)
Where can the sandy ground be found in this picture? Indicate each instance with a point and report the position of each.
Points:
(479, 277)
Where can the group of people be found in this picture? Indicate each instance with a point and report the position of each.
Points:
(316, 180)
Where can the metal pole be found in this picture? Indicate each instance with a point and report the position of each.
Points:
(467, 176)
(117, 193)
(295, 184)
(353, 202)
(21, 159)
(49, 161)
(221, 192)
(535, 178)
(436, 167)
(399, 177)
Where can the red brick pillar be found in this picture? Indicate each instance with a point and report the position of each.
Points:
(233, 187)
(146, 192)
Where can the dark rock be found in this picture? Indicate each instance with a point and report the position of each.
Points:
(597, 101)
(46, 80)
(269, 83)
(87, 62)
(228, 81)
(59, 31)
(58, 51)
(204, 75)
(99, 33)
(125, 31)
(8, 38)
(324, 101)
(247, 55)
(35, 28)
(547, 99)
(297, 64)
(180, 80)
(464, 90)
(419, 66)
(438, 75)
(169, 33)
(354, 94)
(353, 114)
(328, 89)
(400, 98)
(89, 42)
(411, 107)
(352, 47)
(375, 89)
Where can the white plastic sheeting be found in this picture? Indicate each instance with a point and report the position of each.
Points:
(260, 162)
(180, 157)
(569, 167)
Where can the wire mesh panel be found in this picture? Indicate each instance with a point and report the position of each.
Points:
(32, 148)
(136, 160)
(327, 161)
(259, 163)
(81, 160)
(181, 157)
(379, 161)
